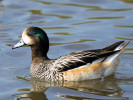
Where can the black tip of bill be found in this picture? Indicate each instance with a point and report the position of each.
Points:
(14, 47)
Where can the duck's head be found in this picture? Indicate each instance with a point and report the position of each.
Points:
(33, 36)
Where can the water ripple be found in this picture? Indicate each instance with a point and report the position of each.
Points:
(118, 17)
(80, 41)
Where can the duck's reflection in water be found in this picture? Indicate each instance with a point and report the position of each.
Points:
(107, 88)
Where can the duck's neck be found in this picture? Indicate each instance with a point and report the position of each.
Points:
(39, 51)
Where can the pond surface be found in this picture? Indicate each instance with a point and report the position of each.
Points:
(72, 25)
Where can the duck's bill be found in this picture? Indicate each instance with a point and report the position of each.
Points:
(19, 44)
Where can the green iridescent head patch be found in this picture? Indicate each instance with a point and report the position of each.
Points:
(38, 32)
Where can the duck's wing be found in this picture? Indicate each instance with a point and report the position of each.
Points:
(78, 59)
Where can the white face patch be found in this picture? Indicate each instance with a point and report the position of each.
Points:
(27, 40)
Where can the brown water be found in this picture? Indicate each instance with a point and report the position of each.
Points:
(72, 25)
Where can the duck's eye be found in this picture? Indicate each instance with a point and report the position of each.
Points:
(30, 34)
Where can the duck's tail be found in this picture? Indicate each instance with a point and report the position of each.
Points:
(113, 46)
(121, 48)
(111, 62)
(121, 45)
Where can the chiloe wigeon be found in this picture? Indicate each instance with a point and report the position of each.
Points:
(77, 66)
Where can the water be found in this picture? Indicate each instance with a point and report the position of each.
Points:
(72, 25)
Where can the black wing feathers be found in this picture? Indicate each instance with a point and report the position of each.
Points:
(92, 56)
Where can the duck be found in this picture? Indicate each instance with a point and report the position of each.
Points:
(76, 66)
